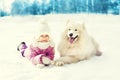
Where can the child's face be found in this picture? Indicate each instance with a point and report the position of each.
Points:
(43, 38)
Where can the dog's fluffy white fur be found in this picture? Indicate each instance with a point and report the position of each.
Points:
(76, 47)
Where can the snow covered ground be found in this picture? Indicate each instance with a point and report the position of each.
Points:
(104, 28)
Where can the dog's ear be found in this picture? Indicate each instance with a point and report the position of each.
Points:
(83, 25)
(68, 21)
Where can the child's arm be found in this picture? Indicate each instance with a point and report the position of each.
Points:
(44, 57)
(35, 55)
(49, 55)
(50, 52)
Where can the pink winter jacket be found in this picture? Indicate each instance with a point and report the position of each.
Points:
(35, 55)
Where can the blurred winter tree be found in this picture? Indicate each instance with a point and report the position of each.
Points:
(3, 13)
(20, 7)
(114, 7)
(42, 7)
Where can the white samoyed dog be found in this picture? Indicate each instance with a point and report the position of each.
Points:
(76, 45)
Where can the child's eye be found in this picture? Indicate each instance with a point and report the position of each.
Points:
(46, 35)
(41, 36)
(75, 29)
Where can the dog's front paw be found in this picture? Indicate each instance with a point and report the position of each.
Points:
(59, 63)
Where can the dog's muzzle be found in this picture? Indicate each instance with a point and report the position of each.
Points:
(72, 39)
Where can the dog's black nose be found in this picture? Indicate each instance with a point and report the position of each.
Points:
(71, 34)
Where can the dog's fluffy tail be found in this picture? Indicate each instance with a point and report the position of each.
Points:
(99, 53)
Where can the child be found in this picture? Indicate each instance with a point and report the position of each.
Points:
(41, 51)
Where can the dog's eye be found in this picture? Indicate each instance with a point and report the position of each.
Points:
(75, 29)
(69, 29)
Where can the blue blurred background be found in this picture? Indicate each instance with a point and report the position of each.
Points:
(42, 7)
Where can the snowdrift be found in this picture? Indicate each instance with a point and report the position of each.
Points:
(104, 28)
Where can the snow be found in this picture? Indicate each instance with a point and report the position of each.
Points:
(104, 28)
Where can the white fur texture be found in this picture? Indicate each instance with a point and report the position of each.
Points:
(82, 48)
